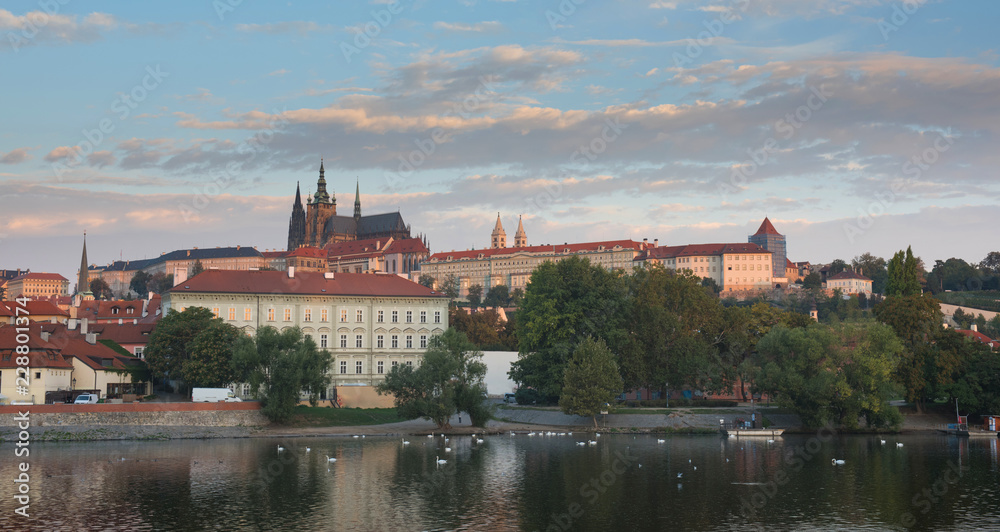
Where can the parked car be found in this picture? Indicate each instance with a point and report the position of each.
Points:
(86, 399)
(509, 398)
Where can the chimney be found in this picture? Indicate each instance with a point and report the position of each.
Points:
(656, 242)
(91, 338)
(291, 272)
(328, 275)
(71, 324)
(45, 336)
(189, 253)
(974, 327)
(83, 326)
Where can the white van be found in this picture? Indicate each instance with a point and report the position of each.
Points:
(213, 395)
(86, 399)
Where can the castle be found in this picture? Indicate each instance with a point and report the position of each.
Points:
(319, 224)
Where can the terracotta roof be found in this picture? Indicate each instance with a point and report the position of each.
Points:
(306, 283)
(980, 336)
(41, 277)
(37, 308)
(766, 228)
(553, 249)
(848, 274)
(41, 354)
(407, 245)
(669, 252)
(125, 333)
(4, 310)
(354, 247)
(789, 264)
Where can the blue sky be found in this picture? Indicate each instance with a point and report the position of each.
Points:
(855, 125)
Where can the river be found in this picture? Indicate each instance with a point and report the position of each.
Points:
(521, 482)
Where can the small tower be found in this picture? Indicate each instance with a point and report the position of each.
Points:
(357, 202)
(83, 279)
(520, 239)
(297, 223)
(499, 237)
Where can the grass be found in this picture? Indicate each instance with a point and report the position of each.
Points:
(308, 416)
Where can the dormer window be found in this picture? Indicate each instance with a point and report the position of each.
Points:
(114, 310)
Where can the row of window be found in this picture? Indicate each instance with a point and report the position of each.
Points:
(359, 366)
(307, 315)
(379, 341)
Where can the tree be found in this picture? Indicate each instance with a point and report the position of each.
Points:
(449, 380)
(450, 287)
(837, 266)
(99, 287)
(168, 347)
(516, 295)
(498, 296)
(592, 380)
(3, 293)
(475, 295)
(564, 303)
(160, 282)
(197, 268)
(874, 268)
(139, 282)
(210, 356)
(813, 280)
(710, 283)
(915, 319)
(903, 275)
(280, 366)
(953, 274)
(484, 329)
(426, 280)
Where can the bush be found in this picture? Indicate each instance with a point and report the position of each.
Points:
(527, 396)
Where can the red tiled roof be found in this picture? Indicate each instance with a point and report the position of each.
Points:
(766, 228)
(669, 252)
(105, 309)
(407, 245)
(308, 283)
(789, 264)
(41, 277)
(354, 247)
(979, 336)
(36, 308)
(848, 274)
(42, 354)
(307, 251)
(4, 311)
(554, 249)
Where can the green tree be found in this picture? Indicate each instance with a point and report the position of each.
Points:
(139, 282)
(3, 293)
(450, 287)
(280, 366)
(903, 275)
(498, 296)
(210, 356)
(516, 295)
(710, 283)
(915, 319)
(565, 302)
(874, 268)
(475, 295)
(160, 282)
(485, 329)
(100, 289)
(813, 280)
(449, 380)
(169, 346)
(837, 266)
(592, 380)
(426, 280)
(197, 268)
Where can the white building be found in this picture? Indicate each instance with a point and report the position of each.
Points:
(849, 282)
(734, 267)
(368, 322)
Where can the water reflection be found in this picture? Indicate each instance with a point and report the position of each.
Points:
(511, 483)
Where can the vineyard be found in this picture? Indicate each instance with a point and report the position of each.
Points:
(983, 300)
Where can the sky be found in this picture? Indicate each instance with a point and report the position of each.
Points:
(855, 125)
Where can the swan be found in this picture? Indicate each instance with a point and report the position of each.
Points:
(308, 449)
(430, 435)
(280, 448)
(440, 461)
(328, 459)
(356, 436)
(479, 441)
(834, 461)
(899, 445)
(591, 442)
(679, 475)
(695, 468)
(883, 442)
(770, 441)
(661, 441)
(447, 449)
(581, 443)
(405, 442)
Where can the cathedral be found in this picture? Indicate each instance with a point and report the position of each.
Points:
(318, 223)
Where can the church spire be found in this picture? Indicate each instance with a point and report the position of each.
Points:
(357, 200)
(83, 281)
(297, 223)
(498, 237)
(321, 194)
(520, 238)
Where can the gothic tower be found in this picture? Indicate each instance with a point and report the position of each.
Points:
(320, 209)
(499, 237)
(357, 203)
(297, 224)
(83, 280)
(520, 238)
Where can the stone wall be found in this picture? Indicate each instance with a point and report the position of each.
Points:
(138, 414)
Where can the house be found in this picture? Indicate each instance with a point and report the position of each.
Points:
(37, 284)
(735, 267)
(850, 283)
(37, 311)
(976, 335)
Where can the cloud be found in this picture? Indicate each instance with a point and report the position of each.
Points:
(100, 159)
(279, 72)
(298, 27)
(460, 27)
(39, 27)
(61, 153)
(16, 156)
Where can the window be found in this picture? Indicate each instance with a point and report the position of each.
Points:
(381, 367)
(395, 363)
(437, 316)
(357, 341)
(343, 367)
(322, 341)
(395, 341)
(361, 316)
(138, 351)
(423, 316)
(395, 316)
(246, 389)
(215, 312)
(247, 314)
(232, 314)
(357, 367)
(380, 341)
(409, 341)
(270, 314)
(409, 316)
(288, 314)
(381, 316)
(307, 315)
(324, 315)
(409, 363)
(343, 341)
(423, 341)
(343, 315)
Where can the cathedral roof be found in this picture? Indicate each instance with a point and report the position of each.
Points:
(766, 228)
(366, 225)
